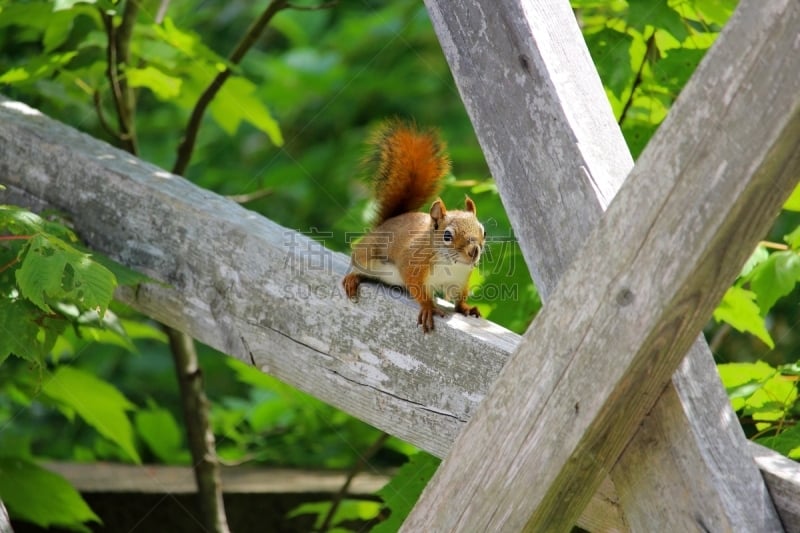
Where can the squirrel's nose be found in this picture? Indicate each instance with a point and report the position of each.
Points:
(473, 252)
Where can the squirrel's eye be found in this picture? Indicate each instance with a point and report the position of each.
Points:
(448, 236)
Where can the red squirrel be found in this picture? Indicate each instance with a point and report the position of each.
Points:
(423, 252)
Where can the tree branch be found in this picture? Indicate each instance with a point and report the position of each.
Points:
(253, 33)
(198, 429)
(651, 48)
(357, 467)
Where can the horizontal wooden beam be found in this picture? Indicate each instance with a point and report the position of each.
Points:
(637, 294)
(163, 479)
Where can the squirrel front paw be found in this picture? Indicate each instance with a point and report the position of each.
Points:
(468, 310)
(425, 318)
(350, 284)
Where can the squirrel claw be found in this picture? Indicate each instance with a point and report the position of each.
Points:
(425, 318)
(350, 284)
(467, 310)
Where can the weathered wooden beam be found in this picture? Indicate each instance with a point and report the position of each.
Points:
(250, 288)
(260, 292)
(558, 157)
(639, 291)
(783, 478)
(170, 479)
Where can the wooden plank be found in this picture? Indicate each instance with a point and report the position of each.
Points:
(603, 349)
(5, 521)
(536, 54)
(253, 289)
(256, 300)
(783, 477)
(162, 479)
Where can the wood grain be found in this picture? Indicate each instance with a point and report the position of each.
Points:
(564, 138)
(604, 347)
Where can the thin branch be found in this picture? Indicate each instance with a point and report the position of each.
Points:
(162, 11)
(8, 265)
(190, 137)
(650, 50)
(198, 429)
(774, 245)
(123, 56)
(113, 78)
(15, 237)
(358, 467)
(101, 116)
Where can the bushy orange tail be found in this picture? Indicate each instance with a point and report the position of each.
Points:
(410, 166)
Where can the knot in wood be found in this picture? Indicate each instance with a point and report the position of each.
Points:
(625, 297)
(523, 61)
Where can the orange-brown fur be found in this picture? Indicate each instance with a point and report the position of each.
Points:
(409, 248)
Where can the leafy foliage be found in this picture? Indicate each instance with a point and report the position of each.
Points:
(290, 121)
(42, 497)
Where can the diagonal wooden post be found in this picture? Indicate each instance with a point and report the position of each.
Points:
(604, 347)
(558, 160)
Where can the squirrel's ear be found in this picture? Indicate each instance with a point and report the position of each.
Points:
(438, 212)
(469, 205)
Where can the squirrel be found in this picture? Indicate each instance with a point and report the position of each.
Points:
(423, 252)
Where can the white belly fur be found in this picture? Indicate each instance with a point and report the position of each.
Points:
(449, 278)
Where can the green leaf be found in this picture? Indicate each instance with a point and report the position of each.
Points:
(19, 221)
(58, 5)
(42, 497)
(742, 380)
(237, 102)
(715, 11)
(756, 258)
(611, 50)
(53, 271)
(793, 239)
(20, 318)
(100, 404)
(403, 491)
(37, 68)
(346, 510)
(125, 276)
(739, 309)
(677, 66)
(793, 203)
(158, 429)
(658, 14)
(164, 86)
(786, 442)
(776, 277)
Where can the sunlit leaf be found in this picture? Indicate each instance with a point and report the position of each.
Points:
(793, 203)
(237, 102)
(164, 86)
(756, 258)
(776, 277)
(52, 271)
(658, 13)
(738, 308)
